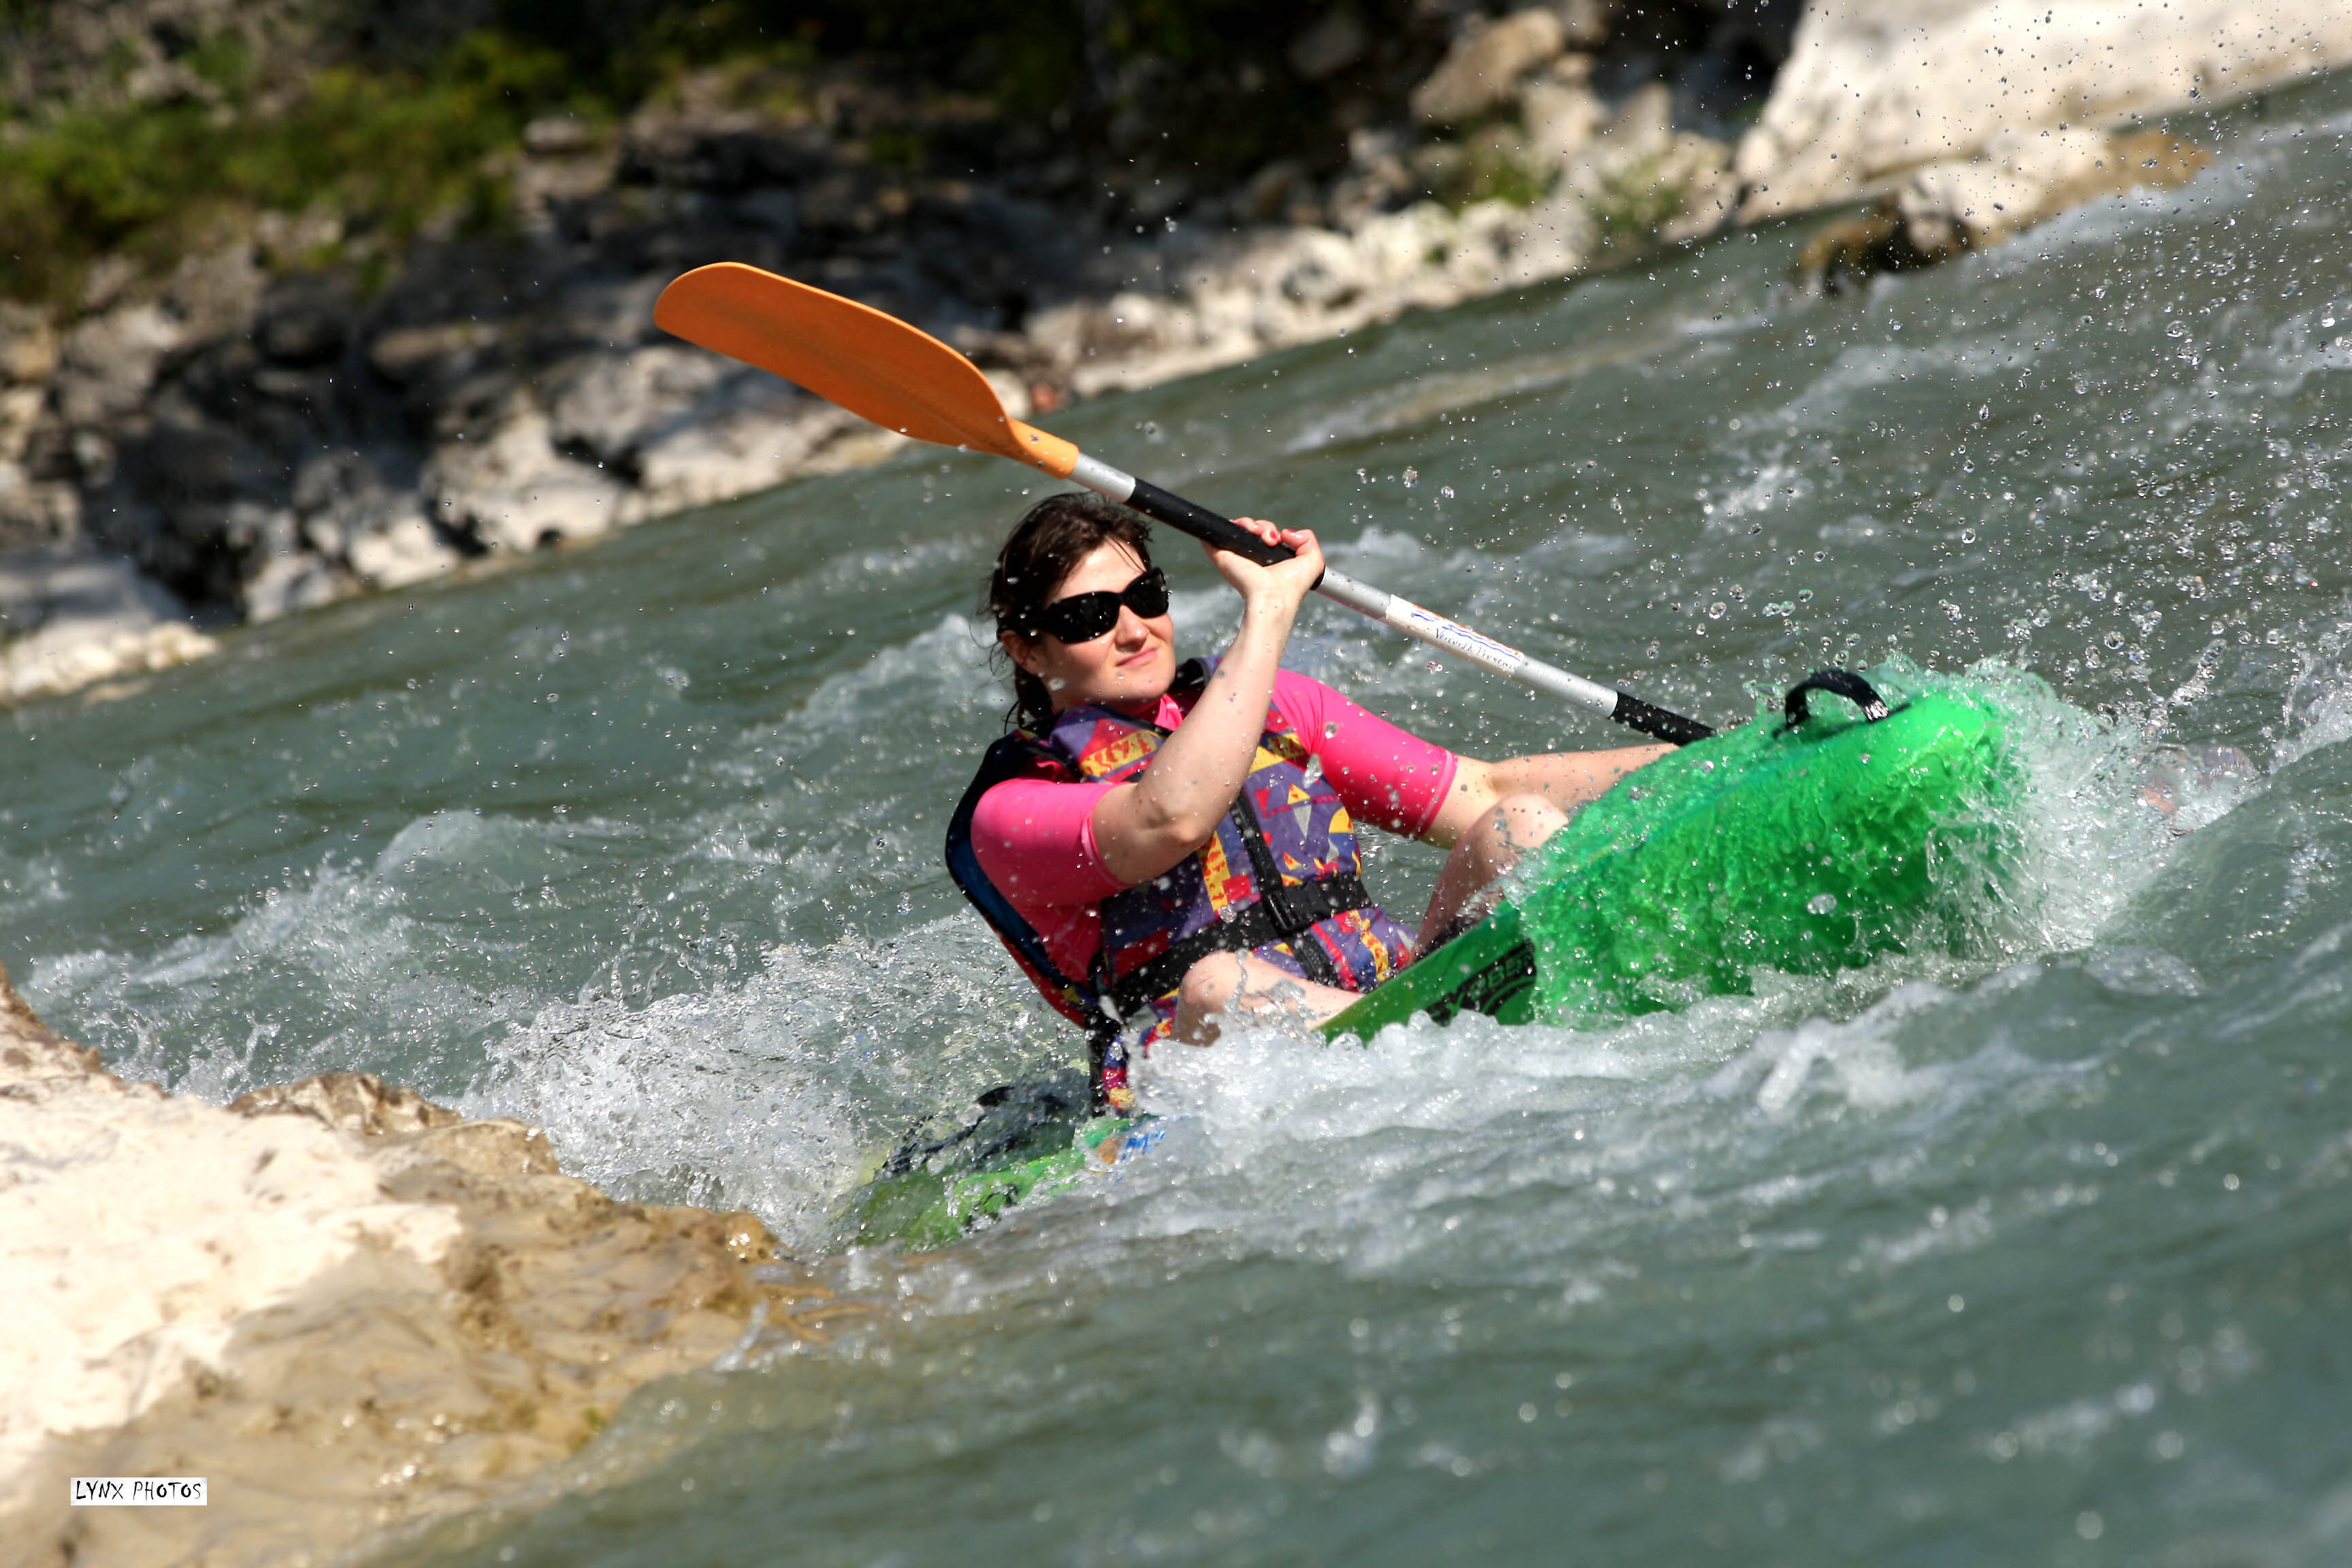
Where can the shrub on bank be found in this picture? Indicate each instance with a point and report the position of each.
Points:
(390, 150)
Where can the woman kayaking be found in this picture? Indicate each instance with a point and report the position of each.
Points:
(1156, 843)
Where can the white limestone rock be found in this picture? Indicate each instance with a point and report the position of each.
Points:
(291, 580)
(1873, 87)
(32, 511)
(28, 343)
(72, 618)
(1484, 66)
(352, 1309)
(733, 448)
(1977, 201)
(399, 552)
(514, 491)
(110, 361)
(611, 405)
(137, 1230)
(1336, 41)
(1560, 113)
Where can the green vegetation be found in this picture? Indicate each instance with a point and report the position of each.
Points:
(394, 129)
(1502, 173)
(1634, 202)
(396, 136)
(390, 150)
(1492, 164)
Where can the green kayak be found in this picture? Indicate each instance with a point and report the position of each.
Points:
(1029, 1141)
(1808, 841)
(1812, 840)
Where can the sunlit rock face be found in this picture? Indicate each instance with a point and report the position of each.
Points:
(1478, 72)
(70, 618)
(1873, 88)
(345, 1306)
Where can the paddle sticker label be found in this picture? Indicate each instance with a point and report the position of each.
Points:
(139, 1492)
(1430, 626)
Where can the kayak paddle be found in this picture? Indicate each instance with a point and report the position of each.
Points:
(903, 379)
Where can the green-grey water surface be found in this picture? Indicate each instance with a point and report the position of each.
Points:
(2042, 1254)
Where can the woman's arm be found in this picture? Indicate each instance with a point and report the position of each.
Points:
(1567, 779)
(1143, 828)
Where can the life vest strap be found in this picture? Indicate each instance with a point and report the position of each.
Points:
(1265, 921)
(1019, 756)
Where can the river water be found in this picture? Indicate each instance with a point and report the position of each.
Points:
(2038, 1254)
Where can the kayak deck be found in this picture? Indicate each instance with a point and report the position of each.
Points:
(1029, 1141)
(1805, 849)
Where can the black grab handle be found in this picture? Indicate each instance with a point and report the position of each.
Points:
(1838, 683)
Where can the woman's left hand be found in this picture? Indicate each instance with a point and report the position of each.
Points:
(1285, 584)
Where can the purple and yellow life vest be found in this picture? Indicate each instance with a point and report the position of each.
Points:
(1281, 878)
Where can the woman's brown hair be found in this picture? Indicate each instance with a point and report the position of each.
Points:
(1046, 546)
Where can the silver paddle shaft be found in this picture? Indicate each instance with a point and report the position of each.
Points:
(1390, 609)
(1413, 621)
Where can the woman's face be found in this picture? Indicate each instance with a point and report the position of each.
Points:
(1133, 662)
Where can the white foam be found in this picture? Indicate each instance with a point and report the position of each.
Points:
(350, 932)
(775, 1094)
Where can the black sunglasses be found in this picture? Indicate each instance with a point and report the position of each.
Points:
(1082, 618)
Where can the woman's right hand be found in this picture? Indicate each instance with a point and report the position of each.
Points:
(1285, 584)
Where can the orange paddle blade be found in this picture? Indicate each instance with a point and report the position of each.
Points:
(853, 356)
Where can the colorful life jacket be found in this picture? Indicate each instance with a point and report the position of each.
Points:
(1281, 878)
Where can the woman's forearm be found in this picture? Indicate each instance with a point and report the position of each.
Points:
(1144, 828)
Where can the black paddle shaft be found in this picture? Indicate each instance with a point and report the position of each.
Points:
(1205, 525)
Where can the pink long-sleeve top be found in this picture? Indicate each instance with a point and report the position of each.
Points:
(1036, 837)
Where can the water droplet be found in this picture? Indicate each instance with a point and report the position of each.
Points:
(1446, 492)
(1822, 903)
(1967, 536)
(1715, 611)
(1330, 728)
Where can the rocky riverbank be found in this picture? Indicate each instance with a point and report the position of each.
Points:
(351, 1309)
(258, 433)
